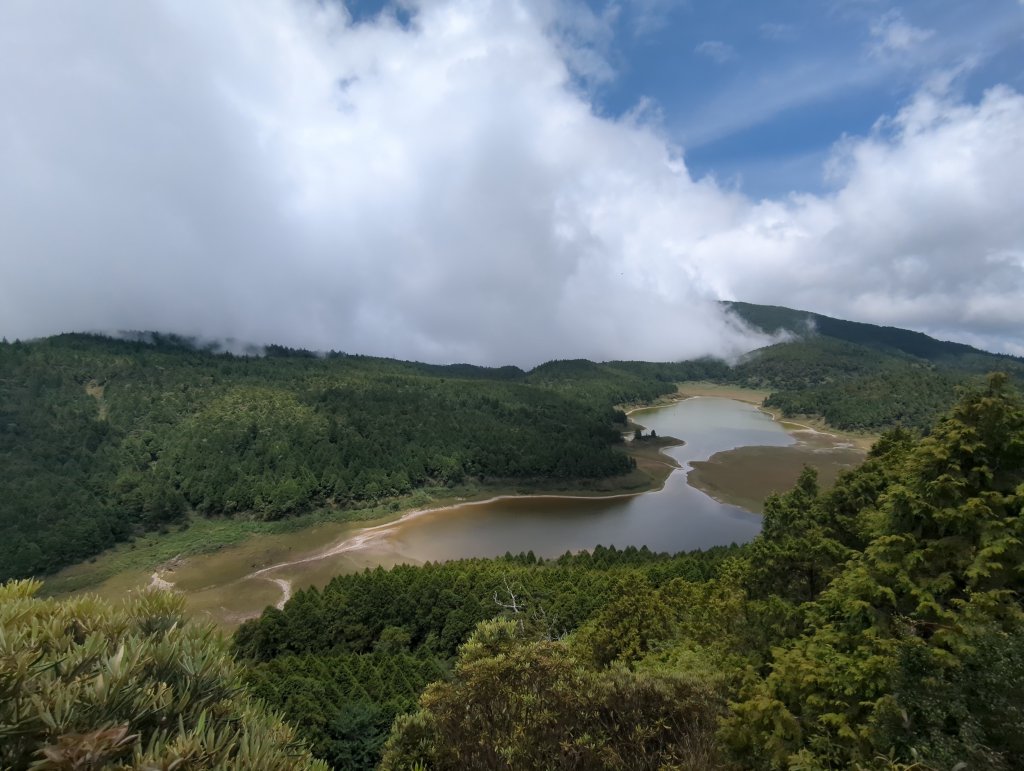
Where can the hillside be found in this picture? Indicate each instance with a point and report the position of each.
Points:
(858, 376)
(804, 324)
(875, 626)
(104, 438)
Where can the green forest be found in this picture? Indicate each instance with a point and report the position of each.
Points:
(85, 685)
(101, 439)
(104, 439)
(876, 625)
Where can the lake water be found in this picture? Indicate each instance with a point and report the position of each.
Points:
(237, 582)
(675, 518)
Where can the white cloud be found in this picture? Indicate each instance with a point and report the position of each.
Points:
(271, 172)
(649, 16)
(923, 232)
(892, 35)
(716, 50)
(582, 37)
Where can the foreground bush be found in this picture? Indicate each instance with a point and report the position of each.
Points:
(520, 704)
(85, 685)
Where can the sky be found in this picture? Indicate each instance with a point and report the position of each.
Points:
(510, 181)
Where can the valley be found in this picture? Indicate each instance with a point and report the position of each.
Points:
(380, 543)
(237, 581)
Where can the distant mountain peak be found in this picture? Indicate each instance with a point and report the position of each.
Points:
(773, 319)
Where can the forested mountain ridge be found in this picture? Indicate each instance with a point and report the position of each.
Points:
(774, 319)
(101, 438)
(859, 376)
(878, 625)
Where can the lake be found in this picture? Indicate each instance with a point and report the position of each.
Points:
(676, 518)
(237, 582)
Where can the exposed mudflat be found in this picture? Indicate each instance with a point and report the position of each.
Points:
(745, 476)
(733, 452)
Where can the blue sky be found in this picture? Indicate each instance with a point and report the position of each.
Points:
(510, 181)
(757, 92)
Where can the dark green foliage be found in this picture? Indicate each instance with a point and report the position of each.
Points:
(601, 383)
(877, 625)
(518, 704)
(892, 395)
(914, 647)
(798, 553)
(334, 655)
(103, 438)
(773, 319)
(438, 605)
(86, 685)
(859, 376)
(715, 370)
(344, 704)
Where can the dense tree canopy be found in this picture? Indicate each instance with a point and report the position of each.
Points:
(368, 643)
(101, 439)
(85, 685)
(878, 625)
(875, 625)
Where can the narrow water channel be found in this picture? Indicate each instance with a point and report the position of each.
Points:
(238, 582)
(675, 518)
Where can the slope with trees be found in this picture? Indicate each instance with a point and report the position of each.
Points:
(103, 439)
(875, 625)
(86, 685)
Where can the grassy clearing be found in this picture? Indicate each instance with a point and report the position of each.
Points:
(860, 439)
(202, 535)
(740, 394)
(745, 476)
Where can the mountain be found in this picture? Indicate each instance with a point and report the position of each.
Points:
(877, 625)
(102, 439)
(804, 324)
(859, 377)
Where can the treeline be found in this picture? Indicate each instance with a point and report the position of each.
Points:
(102, 438)
(854, 387)
(804, 324)
(860, 377)
(878, 625)
(851, 386)
(345, 661)
(87, 685)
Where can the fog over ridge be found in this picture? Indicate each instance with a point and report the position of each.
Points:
(444, 190)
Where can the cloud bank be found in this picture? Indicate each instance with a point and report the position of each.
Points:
(443, 189)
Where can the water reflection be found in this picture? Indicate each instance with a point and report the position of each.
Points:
(676, 518)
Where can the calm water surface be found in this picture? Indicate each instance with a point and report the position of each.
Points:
(676, 518)
(238, 582)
